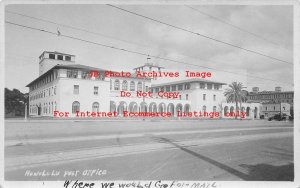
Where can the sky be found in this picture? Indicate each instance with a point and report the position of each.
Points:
(272, 26)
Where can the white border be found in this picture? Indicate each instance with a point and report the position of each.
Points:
(223, 184)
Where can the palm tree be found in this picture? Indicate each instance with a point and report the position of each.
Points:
(235, 94)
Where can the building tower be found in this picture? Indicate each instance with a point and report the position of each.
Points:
(47, 60)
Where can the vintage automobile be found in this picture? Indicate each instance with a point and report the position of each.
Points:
(280, 117)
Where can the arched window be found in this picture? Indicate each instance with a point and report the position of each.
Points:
(95, 107)
(139, 86)
(124, 85)
(117, 85)
(75, 107)
(132, 86)
(225, 110)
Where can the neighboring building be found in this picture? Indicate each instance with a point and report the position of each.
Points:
(277, 96)
(68, 87)
(270, 109)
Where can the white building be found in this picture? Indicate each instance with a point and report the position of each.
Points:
(68, 88)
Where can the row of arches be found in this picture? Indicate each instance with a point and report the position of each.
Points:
(243, 109)
(144, 107)
(125, 85)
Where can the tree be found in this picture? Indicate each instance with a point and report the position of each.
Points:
(14, 102)
(235, 94)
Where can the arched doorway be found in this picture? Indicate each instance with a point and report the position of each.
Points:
(121, 108)
(162, 107)
(255, 112)
(39, 109)
(143, 107)
(133, 107)
(171, 108)
(152, 107)
(187, 108)
(179, 107)
(248, 111)
(113, 106)
(225, 110)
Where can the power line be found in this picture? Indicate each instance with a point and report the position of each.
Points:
(75, 28)
(99, 34)
(236, 27)
(198, 34)
(135, 52)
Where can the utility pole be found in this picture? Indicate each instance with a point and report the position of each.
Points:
(25, 102)
(144, 87)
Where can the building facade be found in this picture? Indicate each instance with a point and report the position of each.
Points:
(276, 96)
(69, 88)
(270, 109)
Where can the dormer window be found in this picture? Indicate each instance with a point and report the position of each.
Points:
(51, 56)
(68, 58)
(60, 57)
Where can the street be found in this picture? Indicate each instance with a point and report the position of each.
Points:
(216, 150)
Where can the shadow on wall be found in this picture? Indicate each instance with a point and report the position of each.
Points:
(258, 172)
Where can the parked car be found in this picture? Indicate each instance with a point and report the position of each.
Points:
(279, 117)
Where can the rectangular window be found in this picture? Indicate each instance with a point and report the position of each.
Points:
(214, 97)
(60, 57)
(95, 90)
(187, 96)
(75, 74)
(156, 90)
(187, 86)
(51, 56)
(174, 88)
(204, 97)
(76, 89)
(209, 86)
(202, 85)
(84, 75)
(216, 87)
(69, 73)
(167, 88)
(68, 58)
(180, 87)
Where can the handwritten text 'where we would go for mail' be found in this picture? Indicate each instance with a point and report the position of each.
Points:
(140, 184)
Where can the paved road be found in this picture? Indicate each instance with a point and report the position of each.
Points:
(149, 150)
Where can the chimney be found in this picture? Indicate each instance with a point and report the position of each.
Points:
(255, 89)
(278, 89)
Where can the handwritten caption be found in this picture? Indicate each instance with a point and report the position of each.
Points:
(66, 173)
(139, 184)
